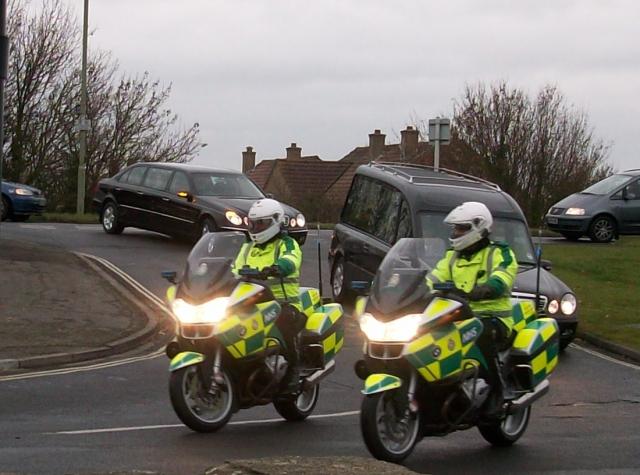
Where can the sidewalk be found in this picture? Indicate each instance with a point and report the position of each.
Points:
(55, 309)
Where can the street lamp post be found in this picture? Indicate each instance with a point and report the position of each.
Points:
(4, 61)
(83, 125)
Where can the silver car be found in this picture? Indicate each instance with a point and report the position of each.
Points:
(603, 211)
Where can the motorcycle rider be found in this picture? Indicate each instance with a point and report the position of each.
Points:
(272, 251)
(483, 273)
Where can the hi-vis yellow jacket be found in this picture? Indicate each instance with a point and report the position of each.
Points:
(494, 266)
(282, 251)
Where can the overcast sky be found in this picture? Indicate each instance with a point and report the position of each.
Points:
(325, 74)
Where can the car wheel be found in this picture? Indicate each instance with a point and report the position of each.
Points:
(572, 236)
(339, 284)
(207, 225)
(5, 209)
(110, 219)
(602, 229)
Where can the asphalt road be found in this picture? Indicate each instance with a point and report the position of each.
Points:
(118, 417)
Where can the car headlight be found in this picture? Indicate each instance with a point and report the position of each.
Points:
(553, 307)
(575, 212)
(292, 222)
(212, 311)
(403, 329)
(568, 304)
(233, 218)
(23, 192)
(301, 220)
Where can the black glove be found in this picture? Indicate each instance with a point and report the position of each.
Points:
(271, 271)
(482, 292)
(455, 291)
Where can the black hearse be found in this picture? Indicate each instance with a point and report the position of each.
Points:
(389, 201)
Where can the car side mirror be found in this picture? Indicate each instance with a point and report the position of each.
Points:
(269, 195)
(170, 275)
(360, 287)
(545, 264)
(185, 195)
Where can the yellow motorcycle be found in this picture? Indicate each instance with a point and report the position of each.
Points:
(424, 373)
(229, 353)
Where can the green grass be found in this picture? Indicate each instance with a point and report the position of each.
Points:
(606, 280)
(88, 218)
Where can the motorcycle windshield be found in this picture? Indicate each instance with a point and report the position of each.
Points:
(400, 279)
(209, 265)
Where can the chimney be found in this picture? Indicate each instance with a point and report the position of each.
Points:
(294, 152)
(376, 144)
(409, 143)
(248, 159)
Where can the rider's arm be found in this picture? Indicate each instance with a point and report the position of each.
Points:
(290, 258)
(501, 277)
(240, 259)
(442, 271)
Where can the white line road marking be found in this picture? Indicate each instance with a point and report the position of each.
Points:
(88, 227)
(37, 226)
(605, 357)
(173, 426)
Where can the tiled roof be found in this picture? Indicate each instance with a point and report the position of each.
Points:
(309, 178)
(261, 172)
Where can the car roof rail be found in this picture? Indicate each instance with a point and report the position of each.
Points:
(391, 167)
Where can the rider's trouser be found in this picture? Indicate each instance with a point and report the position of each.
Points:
(290, 323)
(493, 338)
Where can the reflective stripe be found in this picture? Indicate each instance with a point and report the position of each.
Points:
(492, 249)
(433, 278)
(494, 313)
(452, 261)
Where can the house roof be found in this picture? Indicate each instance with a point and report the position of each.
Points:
(309, 179)
(261, 172)
(391, 153)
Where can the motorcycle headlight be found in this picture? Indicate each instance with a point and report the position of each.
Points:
(301, 220)
(212, 311)
(575, 212)
(403, 329)
(23, 192)
(233, 218)
(553, 307)
(568, 304)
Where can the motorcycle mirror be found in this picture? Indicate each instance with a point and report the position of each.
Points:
(169, 275)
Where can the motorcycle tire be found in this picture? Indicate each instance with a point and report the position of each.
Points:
(378, 409)
(193, 404)
(507, 430)
(295, 409)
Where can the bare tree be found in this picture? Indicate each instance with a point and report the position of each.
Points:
(129, 117)
(538, 150)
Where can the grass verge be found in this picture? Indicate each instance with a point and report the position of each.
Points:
(605, 280)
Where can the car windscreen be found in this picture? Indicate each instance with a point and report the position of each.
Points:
(512, 231)
(227, 185)
(608, 185)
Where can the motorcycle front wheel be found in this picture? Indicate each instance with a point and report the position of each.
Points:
(389, 434)
(506, 431)
(198, 408)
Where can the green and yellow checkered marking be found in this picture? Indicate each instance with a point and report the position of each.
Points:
(540, 333)
(186, 358)
(309, 300)
(523, 313)
(376, 383)
(244, 334)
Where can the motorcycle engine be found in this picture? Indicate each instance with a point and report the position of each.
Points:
(277, 365)
(478, 396)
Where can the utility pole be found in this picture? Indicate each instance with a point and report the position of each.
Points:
(4, 64)
(83, 125)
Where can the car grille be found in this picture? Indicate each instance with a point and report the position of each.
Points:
(197, 331)
(385, 351)
(542, 303)
(555, 210)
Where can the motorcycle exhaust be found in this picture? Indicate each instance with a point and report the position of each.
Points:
(529, 398)
(313, 379)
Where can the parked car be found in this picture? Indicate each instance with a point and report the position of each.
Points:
(389, 201)
(182, 200)
(20, 201)
(603, 211)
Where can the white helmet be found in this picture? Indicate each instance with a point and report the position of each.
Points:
(265, 218)
(471, 222)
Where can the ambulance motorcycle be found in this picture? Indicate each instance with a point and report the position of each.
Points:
(228, 353)
(424, 374)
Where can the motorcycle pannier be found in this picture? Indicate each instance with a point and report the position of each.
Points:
(534, 352)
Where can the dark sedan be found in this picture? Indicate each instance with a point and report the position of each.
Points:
(182, 200)
(20, 201)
